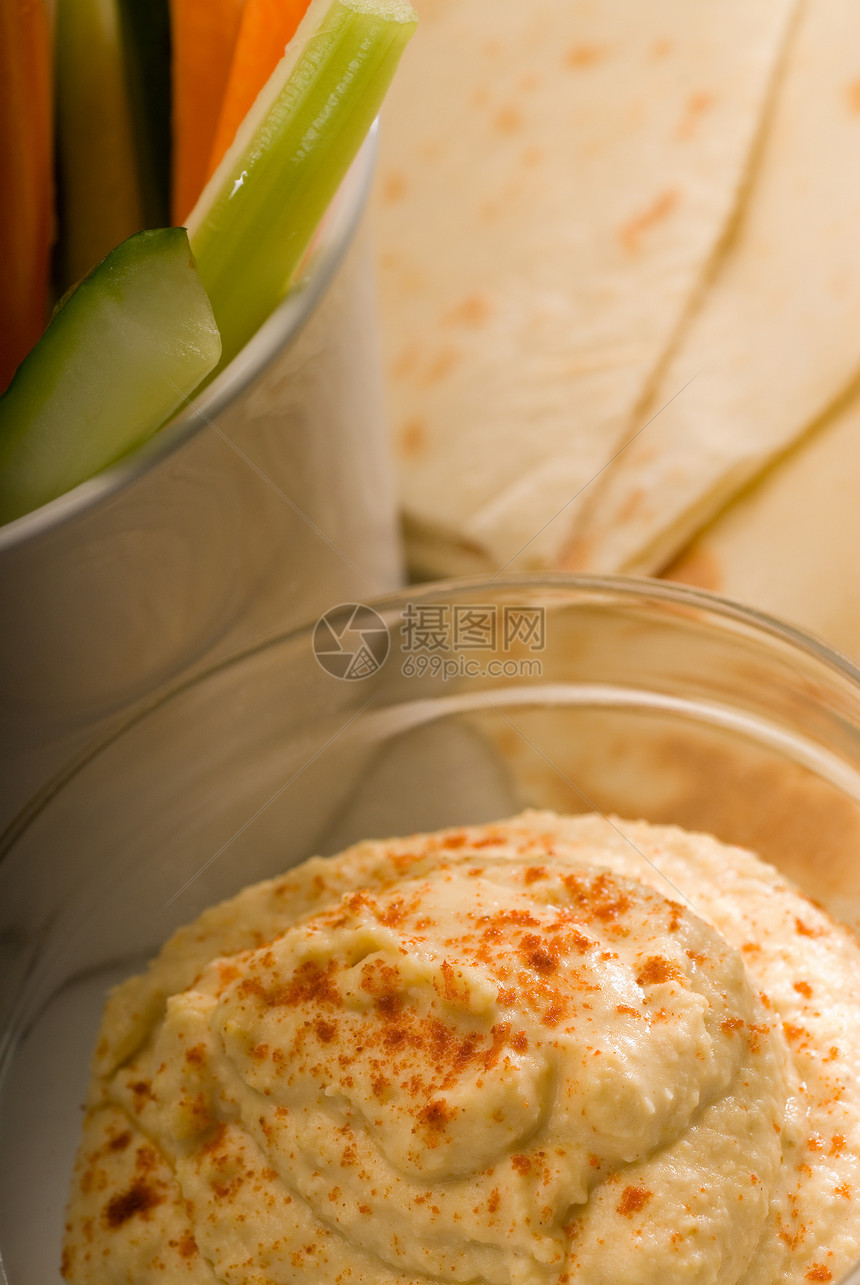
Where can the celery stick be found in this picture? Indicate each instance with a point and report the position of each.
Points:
(256, 216)
(118, 359)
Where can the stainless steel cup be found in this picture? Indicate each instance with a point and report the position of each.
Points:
(269, 500)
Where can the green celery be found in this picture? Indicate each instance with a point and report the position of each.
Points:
(257, 215)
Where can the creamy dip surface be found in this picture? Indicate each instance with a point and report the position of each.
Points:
(547, 1050)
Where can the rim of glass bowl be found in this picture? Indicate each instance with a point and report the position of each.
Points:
(282, 327)
(631, 588)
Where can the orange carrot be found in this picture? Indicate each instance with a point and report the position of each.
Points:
(27, 207)
(267, 27)
(203, 36)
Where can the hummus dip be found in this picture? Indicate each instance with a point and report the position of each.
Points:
(542, 1051)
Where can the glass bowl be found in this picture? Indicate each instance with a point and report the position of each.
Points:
(451, 703)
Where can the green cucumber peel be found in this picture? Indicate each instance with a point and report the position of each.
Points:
(120, 357)
(257, 215)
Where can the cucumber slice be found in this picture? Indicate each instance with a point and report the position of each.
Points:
(119, 358)
(258, 212)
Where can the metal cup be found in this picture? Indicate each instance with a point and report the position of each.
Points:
(267, 501)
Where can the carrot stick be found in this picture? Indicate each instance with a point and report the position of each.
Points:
(27, 209)
(266, 29)
(203, 35)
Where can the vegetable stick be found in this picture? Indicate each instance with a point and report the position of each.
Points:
(203, 36)
(121, 355)
(26, 212)
(100, 194)
(257, 214)
(146, 43)
(266, 29)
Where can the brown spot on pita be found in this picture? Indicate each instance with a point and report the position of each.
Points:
(631, 233)
(481, 96)
(853, 95)
(695, 567)
(631, 506)
(406, 360)
(440, 364)
(580, 56)
(661, 48)
(413, 437)
(576, 556)
(530, 80)
(532, 156)
(697, 106)
(473, 311)
(393, 187)
(507, 120)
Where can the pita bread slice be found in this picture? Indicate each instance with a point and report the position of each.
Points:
(789, 544)
(554, 179)
(777, 337)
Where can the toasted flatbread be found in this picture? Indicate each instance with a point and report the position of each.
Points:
(789, 544)
(776, 340)
(554, 182)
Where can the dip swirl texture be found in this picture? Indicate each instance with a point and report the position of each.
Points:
(517, 1054)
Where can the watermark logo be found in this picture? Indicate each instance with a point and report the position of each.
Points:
(351, 641)
(472, 640)
(437, 640)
